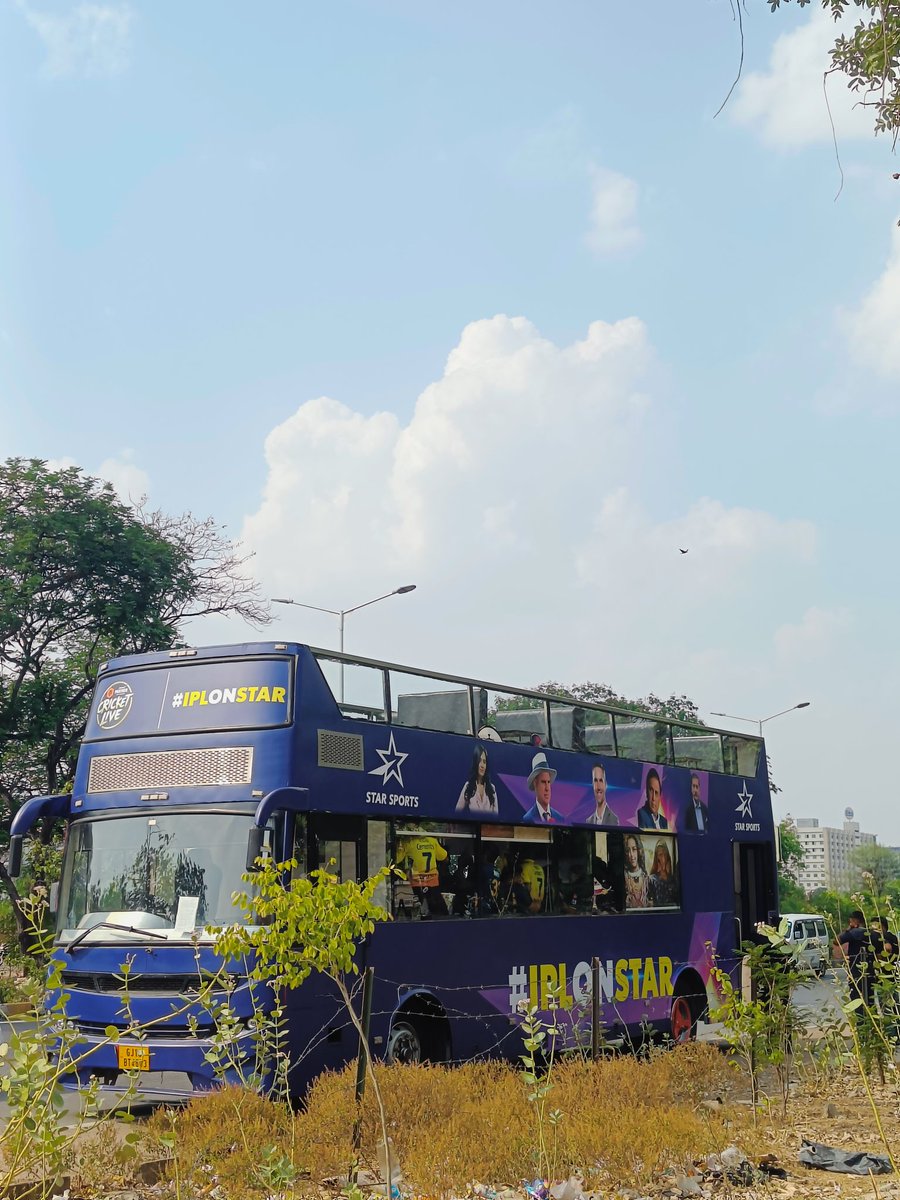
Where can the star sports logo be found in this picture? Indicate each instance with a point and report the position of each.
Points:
(745, 799)
(392, 760)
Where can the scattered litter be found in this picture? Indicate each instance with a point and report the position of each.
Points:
(768, 1164)
(536, 1189)
(732, 1164)
(571, 1189)
(827, 1158)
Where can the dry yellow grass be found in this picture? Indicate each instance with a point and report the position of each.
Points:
(622, 1120)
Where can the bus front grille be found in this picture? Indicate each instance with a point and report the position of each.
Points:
(153, 769)
(162, 985)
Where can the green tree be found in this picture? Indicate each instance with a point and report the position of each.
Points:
(791, 895)
(82, 577)
(869, 56)
(674, 708)
(877, 865)
(314, 923)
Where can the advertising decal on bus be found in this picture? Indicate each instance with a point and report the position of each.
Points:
(193, 697)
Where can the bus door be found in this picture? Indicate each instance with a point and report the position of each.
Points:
(754, 888)
(337, 844)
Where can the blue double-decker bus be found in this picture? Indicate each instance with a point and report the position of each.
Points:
(537, 836)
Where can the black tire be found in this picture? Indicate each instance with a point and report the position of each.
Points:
(405, 1043)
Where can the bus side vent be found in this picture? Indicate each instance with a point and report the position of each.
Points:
(341, 750)
(216, 766)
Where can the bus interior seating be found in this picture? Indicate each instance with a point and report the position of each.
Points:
(636, 739)
(699, 751)
(446, 711)
(567, 726)
(521, 724)
(599, 739)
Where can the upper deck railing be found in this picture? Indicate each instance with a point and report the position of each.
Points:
(373, 690)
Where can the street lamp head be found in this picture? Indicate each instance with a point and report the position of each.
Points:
(407, 587)
(279, 600)
(803, 704)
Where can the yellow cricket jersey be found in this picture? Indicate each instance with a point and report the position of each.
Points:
(535, 879)
(423, 855)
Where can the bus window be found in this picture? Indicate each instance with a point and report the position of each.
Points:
(438, 859)
(694, 748)
(567, 723)
(298, 851)
(514, 872)
(573, 871)
(740, 754)
(643, 738)
(421, 702)
(598, 732)
(377, 857)
(357, 688)
(518, 718)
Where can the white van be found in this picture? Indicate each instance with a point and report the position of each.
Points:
(809, 933)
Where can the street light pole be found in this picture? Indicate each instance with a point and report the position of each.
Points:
(760, 721)
(341, 613)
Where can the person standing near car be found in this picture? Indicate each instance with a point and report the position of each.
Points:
(886, 973)
(859, 947)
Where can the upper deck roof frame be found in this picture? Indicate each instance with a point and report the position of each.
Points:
(257, 649)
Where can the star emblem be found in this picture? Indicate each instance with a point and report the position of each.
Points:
(392, 760)
(745, 799)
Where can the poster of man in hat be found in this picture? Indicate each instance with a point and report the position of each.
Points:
(540, 782)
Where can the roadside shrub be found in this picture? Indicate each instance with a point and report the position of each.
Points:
(622, 1121)
(219, 1140)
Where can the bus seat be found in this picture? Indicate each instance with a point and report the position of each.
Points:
(446, 711)
(519, 724)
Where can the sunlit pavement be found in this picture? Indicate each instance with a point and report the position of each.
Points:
(817, 1001)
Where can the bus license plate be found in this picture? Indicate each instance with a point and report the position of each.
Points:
(133, 1058)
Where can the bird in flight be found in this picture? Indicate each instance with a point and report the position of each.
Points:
(680, 551)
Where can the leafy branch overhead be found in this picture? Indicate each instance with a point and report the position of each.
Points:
(869, 55)
(82, 577)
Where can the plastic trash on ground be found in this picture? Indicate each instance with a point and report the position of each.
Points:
(827, 1158)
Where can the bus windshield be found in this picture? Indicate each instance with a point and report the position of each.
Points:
(170, 874)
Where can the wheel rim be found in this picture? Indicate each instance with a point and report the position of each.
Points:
(404, 1045)
(682, 1020)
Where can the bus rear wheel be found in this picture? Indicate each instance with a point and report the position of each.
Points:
(404, 1044)
(683, 1025)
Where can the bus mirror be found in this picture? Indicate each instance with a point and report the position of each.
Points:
(254, 846)
(14, 862)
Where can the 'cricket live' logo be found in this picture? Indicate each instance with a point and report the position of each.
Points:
(115, 705)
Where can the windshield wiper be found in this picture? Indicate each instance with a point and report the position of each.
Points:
(76, 941)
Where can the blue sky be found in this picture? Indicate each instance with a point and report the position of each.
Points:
(482, 296)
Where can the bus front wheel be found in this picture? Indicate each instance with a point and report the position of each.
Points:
(404, 1043)
(682, 1020)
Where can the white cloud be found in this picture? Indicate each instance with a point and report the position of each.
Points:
(813, 636)
(129, 481)
(90, 40)
(872, 329)
(528, 498)
(786, 103)
(614, 225)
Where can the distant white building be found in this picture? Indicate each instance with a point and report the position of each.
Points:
(826, 852)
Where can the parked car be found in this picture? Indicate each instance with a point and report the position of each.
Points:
(808, 933)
